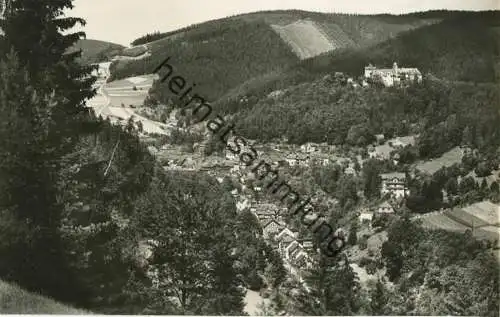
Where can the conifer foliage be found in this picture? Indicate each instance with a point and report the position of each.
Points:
(42, 105)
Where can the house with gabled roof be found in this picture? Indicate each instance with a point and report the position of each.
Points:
(385, 208)
(285, 233)
(271, 228)
(265, 211)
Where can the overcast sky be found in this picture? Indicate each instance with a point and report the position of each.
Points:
(121, 21)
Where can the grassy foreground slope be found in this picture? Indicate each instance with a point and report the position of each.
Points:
(14, 300)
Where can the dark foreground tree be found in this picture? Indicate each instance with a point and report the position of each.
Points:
(331, 288)
(42, 92)
(195, 232)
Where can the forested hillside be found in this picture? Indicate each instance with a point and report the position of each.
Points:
(215, 57)
(329, 111)
(463, 48)
(220, 55)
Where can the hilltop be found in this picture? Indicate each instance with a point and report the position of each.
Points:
(461, 48)
(95, 51)
(220, 55)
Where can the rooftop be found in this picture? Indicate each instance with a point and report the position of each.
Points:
(393, 175)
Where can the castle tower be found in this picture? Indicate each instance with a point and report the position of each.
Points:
(369, 70)
(395, 68)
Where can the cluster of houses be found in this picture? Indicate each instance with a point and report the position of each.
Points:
(293, 250)
(393, 189)
(395, 76)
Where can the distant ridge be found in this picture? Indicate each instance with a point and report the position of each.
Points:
(95, 51)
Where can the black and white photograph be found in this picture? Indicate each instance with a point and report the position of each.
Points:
(250, 157)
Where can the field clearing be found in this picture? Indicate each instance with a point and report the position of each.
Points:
(305, 38)
(124, 114)
(14, 300)
(491, 233)
(134, 51)
(135, 101)
(142, 81)
(487, 212)
(459, 215)
(447, 159)
(441, 221)
(97, 100)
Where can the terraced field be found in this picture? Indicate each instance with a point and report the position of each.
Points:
(441, 221)
(336, 35)
(305, 38)
(487, 213)
(460, 216)
(122, 91)
(481, 218)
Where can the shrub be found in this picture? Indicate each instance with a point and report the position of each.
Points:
(363, 243)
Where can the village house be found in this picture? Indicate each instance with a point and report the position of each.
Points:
(242, 204)
(309, 148)
(284, 233)
(265, 211)
(365, 216)
(294, 252)
(394, 185)
(379, 138)
(394, 76)
(292, 160)
(385, 208)
(271, 228)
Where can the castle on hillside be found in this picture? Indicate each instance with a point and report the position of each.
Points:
(394, 76)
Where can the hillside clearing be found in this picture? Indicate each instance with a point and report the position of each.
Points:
(305, 38)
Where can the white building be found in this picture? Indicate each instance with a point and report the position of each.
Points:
(394, 184)
(393, 76)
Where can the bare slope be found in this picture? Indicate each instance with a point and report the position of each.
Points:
(305, 38)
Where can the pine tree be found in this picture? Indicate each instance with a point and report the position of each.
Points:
(331, 288)
(29, 191)
(43, 91)
(378, 299)
(353, 233)
(34, 30)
